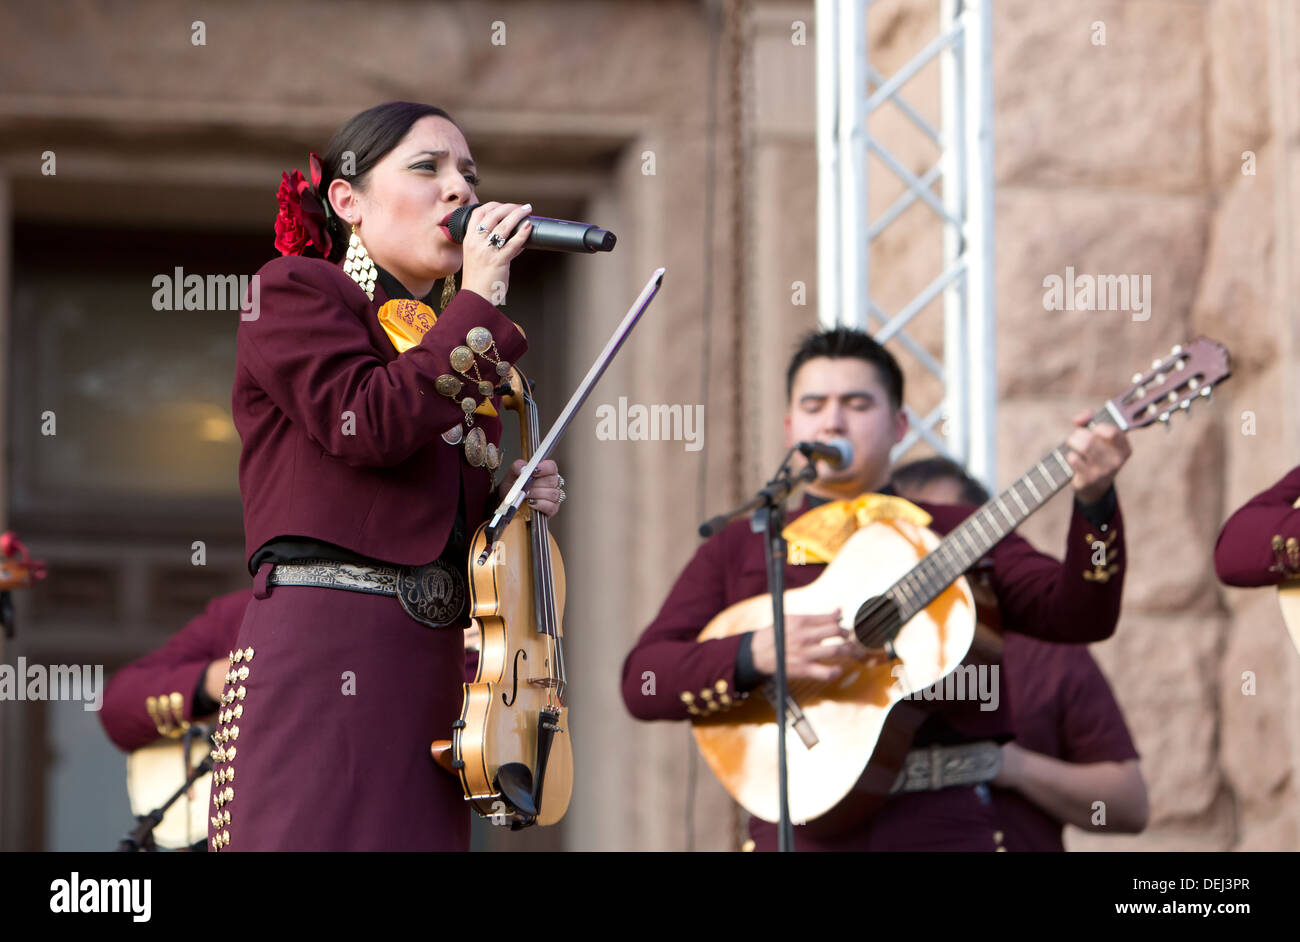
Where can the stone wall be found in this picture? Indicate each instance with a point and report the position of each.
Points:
(1116, 158)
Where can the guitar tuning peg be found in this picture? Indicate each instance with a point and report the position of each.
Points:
(1155, 364)
(1186, 405)
(1178, 348)
(1206, 390)
(1137, 377)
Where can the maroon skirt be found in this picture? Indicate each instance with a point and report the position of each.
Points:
(341, 695)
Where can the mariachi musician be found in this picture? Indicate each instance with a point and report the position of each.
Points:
(164, 692)
(365, 398)
(841, 383)
(1260, 543)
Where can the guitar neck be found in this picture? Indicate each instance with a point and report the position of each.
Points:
(983, 530)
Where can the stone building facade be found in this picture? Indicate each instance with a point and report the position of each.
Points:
(687, 128)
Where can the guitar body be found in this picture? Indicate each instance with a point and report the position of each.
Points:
(504, 707)
(153, 773)
(863, 730)
(1288, 597)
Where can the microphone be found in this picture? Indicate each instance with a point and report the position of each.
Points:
(838, 452)
(556, 235)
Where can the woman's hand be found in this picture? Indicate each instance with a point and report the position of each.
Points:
(485, 269)
(546, 490)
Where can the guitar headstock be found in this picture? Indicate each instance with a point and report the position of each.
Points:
(1173, 383)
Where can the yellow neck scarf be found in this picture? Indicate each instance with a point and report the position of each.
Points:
(816, 536)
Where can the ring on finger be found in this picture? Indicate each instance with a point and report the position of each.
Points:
(497, 240)
(563, 495)
(482, 228)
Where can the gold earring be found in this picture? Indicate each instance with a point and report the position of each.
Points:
(448, 292)
(359, 265)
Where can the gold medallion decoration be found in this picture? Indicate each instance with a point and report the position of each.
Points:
(479, 340)
(476, 447)
(462, 358)
(479, 452)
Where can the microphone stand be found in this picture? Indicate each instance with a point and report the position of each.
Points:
(768, 509)
(141, 837)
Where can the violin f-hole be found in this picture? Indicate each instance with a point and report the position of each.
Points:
(514, 690)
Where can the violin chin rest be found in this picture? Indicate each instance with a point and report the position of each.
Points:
(515, 782)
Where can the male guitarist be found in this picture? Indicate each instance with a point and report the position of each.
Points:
(841, 383)
(1073, 760)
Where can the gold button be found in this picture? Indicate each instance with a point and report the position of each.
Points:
(238, 656)
(997, 836)
(720, 686)
(243, 672)
(248, 653)
(234, 732)
(687, 697)
(238, 711)
(231, 754)
(230, 774)
(241, 692)
(1001, 848)
(748, 846)
(706, 694)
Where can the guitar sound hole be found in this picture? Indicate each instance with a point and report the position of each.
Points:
(877, 621)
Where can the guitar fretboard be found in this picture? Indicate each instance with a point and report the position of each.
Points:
(983, 530)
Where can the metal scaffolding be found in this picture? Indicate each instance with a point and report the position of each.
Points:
(849, 89)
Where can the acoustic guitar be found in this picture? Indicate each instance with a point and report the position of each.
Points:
(906, 589)
(154, 773)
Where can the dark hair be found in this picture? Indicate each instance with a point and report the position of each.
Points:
(847, 342)
(369, 137)
(922, 472)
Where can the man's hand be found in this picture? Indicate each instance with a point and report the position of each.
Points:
(816, 648)
(214, 681)
(1096, 455)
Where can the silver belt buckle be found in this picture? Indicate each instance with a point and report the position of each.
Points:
(433, 594)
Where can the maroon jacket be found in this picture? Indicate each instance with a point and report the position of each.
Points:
(1062, 707)
(1244, 554)
(341, 434)
(178, 667)
(1037, 596)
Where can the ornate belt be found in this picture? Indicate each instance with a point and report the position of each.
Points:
(935, 767)
(433, 594)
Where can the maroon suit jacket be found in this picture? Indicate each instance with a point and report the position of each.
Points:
(341, 434)
(177, 667)
(1037, 596)
(1062, 707)
(1244, 554)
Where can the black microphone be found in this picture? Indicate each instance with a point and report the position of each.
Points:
(838, 452)
(557, 235)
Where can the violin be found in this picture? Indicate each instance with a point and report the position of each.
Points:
(511, 748)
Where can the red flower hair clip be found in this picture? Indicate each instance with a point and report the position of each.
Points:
(302, 227)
